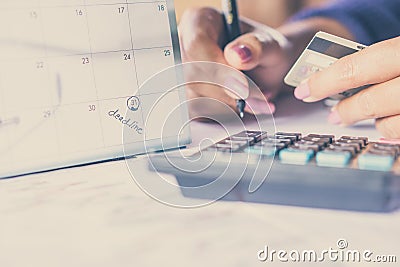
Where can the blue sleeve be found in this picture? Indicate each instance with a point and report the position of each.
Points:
(370, 21)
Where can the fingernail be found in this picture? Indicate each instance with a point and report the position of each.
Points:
(310, 99)
(244, 52)
(302, 91)
(259, 107)
(236, 89)
(334, 118)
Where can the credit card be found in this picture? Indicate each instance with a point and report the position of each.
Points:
(323, 50)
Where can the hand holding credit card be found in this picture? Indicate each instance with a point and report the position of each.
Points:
(324, 50)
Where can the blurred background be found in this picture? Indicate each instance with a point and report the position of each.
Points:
(270, 12)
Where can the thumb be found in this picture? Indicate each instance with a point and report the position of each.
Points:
(249, 51)
(244, 53)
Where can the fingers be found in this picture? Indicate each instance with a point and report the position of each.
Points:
(245, 53)
(200, 36)
(254, 105)
(375, 64)
(230, 81)
(259, 106)
(376, 102)
(251, 50)
(389, 127)
(204, 21)
(199, 31)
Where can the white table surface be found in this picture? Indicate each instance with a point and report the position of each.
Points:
(97, 216)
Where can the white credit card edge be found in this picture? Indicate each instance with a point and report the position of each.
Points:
(339, 40)
(287, 78)
(323, 35)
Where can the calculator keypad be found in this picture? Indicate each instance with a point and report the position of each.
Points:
(317, 149)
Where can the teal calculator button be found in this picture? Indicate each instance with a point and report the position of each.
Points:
(260, 150)
(338, 159)
(372, 162)
(296, 156)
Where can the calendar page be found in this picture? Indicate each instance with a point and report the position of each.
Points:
(70, 73)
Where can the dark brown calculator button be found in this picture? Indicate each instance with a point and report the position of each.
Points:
(385, 146)
(364, 139)
(278, 140)
(317, 140)
(354, 145)
(227, 146)
(297, 135)
(378, 152)
(341, 150)
(360, 143)
(315, 148)
(251, 136)
(311, 143)
(331, 138)
(236, 142)
(276, 146)
(394, 150)
(292, 139)
(354, 149)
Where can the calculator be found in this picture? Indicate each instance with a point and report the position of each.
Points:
(313, 170)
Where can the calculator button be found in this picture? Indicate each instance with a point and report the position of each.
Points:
(278, 147)
(223, 147)
(275, 142)
(305, 145)
(323, 141)
(386, 152)
(296, 136)
(296, 156)
(261, 150)
(356, 147)
(390, 147)
(363, 139)
(250, 136)
(350, 150)
(325, 137)
(236, 142)
(360, 143)
(373, 162)
(386, 145)
(315, 141)
(247, 139)
(292, 139)
(331, 158)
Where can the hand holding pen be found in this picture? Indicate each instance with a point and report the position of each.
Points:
(259, 52)
(232, 23)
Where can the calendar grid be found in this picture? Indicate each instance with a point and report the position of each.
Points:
(94, 76)
(91, 53)
(83, 4)
(56, 129)
(134, 56)
(84, 64)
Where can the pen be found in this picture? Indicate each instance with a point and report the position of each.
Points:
(232, 22)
